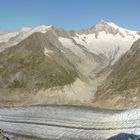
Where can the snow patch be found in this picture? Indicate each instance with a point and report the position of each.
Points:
(47, 52)
(42, 29)
(68, 43)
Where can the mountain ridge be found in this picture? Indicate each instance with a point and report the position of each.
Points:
(121, 87)
(50, 65)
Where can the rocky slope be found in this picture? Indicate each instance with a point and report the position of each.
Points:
(122, 86)
(34, 64)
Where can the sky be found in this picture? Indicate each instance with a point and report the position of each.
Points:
(68, 14)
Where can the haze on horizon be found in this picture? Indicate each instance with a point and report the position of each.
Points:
(72, 14)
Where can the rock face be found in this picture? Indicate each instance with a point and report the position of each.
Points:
(2, 137)
(124, 136)
(34, 64)
(51, 65)
(122, 86)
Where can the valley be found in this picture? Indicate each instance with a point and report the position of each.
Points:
(49, 65)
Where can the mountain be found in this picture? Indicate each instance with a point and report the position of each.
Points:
(33, 64)
(116, 40)
(121, 88)
(51, 65)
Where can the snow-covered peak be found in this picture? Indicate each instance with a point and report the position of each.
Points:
(102, 22)
(104, 26)
(25, 29)
(113, 24)
(23, 33)
(99, 24)
(42, 28)
(12, 38)
(108, 39)
(107, 24)
(124, 31)
(6, 36)
(112, 28)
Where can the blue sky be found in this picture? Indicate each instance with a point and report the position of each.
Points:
(68, 14)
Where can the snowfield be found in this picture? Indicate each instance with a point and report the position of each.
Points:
(67, 122)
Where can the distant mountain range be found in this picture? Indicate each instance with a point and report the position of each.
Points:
(98, 66)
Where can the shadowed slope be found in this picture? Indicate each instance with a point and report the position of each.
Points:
(123, 81)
